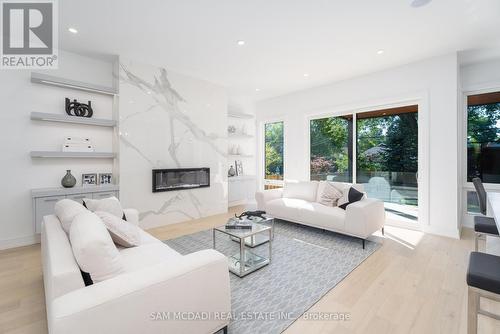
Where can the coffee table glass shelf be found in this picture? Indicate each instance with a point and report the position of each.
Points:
(246, 261)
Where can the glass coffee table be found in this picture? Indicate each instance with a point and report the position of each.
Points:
(259, 238)
(246, 261)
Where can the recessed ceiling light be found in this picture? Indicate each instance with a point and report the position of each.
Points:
(241, 42)
(379, 52)
(257, 89)
(419, 3)
(306, 75)
(73, 30)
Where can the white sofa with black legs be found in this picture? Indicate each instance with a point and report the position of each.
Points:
(154, 284)
(299, 202)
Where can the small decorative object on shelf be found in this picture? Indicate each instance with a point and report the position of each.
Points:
(76, 108)
(76, 144)
(68, 181)
(231, 129)
(105, 178)
(239, 167)
(89, 179)
(231, 172)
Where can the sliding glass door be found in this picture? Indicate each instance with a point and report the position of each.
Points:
(387, 158)
(331, 148)
(378, 149)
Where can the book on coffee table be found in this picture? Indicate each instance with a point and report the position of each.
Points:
(237, 223)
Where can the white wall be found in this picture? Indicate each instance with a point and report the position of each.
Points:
(19, 135)
(433, 83)
(159, 130)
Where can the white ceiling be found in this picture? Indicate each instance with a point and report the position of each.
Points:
(330, 40)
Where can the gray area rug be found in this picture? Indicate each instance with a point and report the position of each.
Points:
(306, 264)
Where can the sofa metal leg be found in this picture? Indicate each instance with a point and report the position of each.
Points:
(363, 243)
(472, 310)
(383, 231)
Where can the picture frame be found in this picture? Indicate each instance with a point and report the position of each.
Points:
(89, 179)
(105, 178)
(239, 167)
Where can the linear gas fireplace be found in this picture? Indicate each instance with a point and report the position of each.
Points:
(180, 178)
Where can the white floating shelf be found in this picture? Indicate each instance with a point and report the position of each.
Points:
(55, 154)
(240, 156)
(239, 136)
(40, 116)
(239, 115)
(50, 80)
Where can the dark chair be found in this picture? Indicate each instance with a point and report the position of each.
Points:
(483, 226)
(483, 279)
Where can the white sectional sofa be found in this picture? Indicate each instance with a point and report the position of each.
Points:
(299, 202)
(156, 283)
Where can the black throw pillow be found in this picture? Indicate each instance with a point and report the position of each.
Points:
(352, 196)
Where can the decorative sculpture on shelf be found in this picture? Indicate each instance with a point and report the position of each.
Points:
(76, 108)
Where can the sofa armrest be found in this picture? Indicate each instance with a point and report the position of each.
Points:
(365, 217)
(262, 197)
(146, 301)
(132, 216)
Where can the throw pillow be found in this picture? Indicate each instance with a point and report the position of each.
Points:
(93, 248)
(110, 204)
(349, 196)
(66, 210)
(330, 195)
(122, 232)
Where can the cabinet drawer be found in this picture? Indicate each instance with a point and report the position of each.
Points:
(102, 195)
(44, 206)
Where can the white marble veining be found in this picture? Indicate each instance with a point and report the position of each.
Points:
(168, 120)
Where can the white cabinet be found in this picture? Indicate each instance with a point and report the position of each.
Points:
(45, 199)
(241, 190)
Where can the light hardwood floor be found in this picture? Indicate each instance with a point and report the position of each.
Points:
(414, 283)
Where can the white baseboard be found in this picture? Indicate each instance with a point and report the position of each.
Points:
(19, 242)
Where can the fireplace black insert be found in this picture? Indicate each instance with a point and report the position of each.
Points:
(180, 178)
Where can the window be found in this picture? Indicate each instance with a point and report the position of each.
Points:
(387, 155)
(274, 165)
(483, 137)
(331, 148)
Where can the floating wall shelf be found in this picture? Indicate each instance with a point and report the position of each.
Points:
(50, 80)
(240, 156)
(56, 154)
(40, 116)
(239, 115)
(239, 136)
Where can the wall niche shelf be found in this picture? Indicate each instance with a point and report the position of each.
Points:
(40, 116)
(240, 156)
(239, 136)
(233, 114)
(45, 79)
(56, 154)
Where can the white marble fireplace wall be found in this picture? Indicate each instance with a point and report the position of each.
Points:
(169, 120)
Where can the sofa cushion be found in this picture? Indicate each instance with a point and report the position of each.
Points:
(122, 232)
(320, 215)
(93, 247)
(286, 208)
(110, 204)
(305, 190)
(339, 185)
(66, 210)
(329, 194)
(147, 255)
(349, 196)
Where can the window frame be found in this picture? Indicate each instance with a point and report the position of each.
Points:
(262, 157)
(467, 217)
